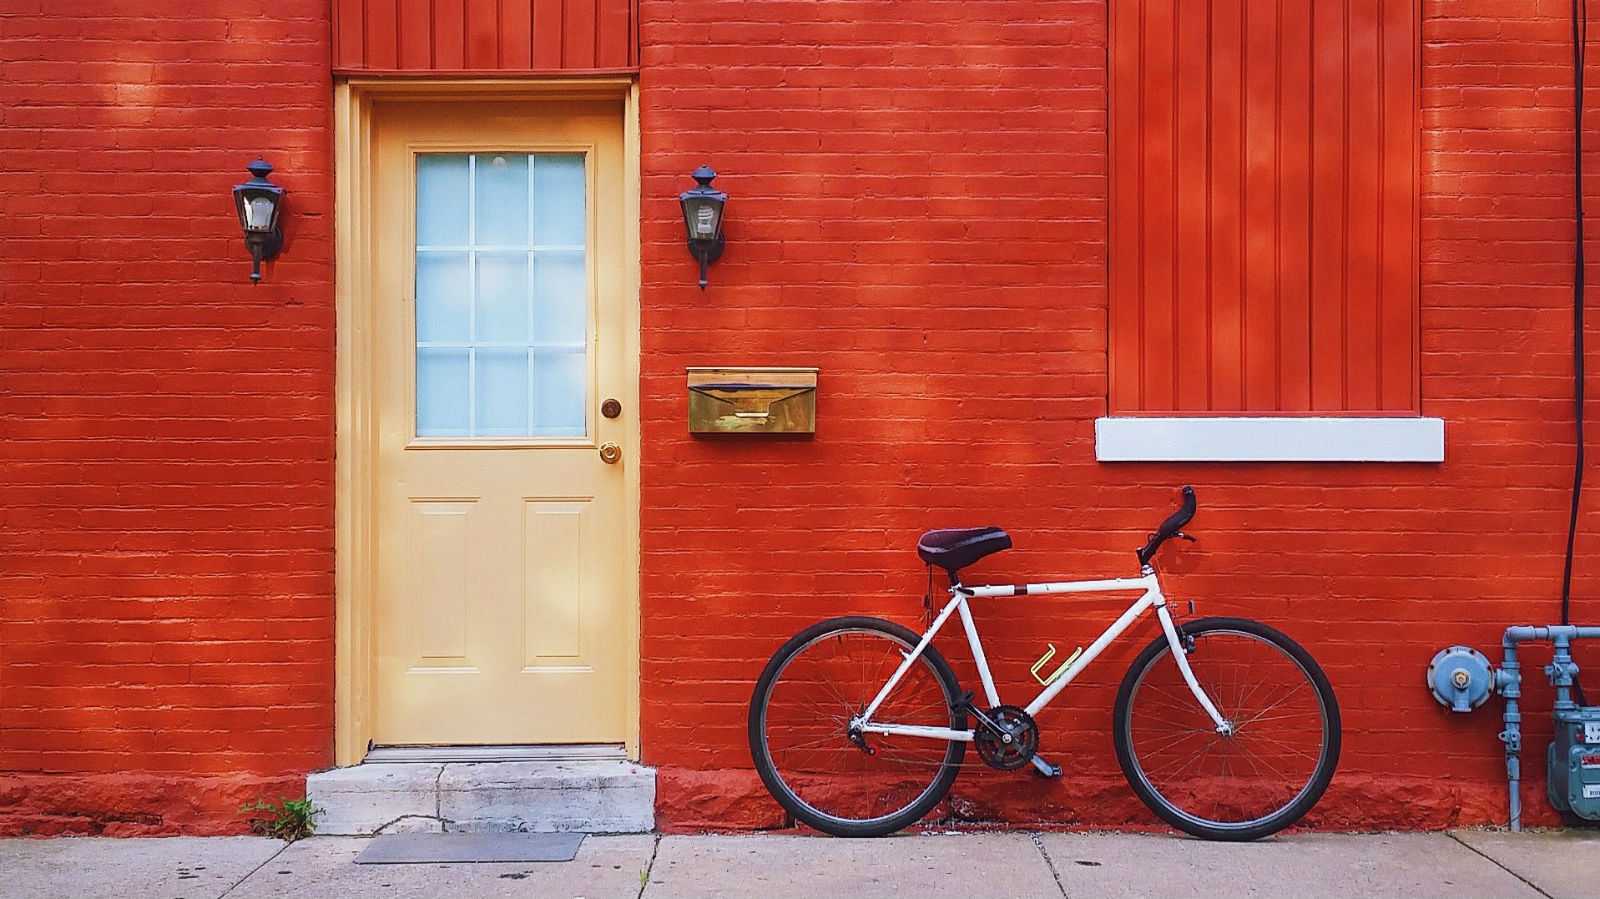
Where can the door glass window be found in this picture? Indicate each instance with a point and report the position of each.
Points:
(502, 298)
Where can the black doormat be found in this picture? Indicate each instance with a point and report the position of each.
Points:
(466, 848)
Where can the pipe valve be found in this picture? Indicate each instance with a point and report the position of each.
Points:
(1460, 678)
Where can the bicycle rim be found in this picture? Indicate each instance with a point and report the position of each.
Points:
(1258, 779)
(827, 778)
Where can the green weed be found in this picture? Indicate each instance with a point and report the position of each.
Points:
(286, 819)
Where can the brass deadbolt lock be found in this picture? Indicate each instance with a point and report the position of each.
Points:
(611, 408)
(610, 453)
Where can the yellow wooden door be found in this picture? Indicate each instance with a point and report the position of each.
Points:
(504, 555)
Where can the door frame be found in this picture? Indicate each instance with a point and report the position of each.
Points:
(355, 497)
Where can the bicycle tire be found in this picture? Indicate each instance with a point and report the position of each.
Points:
(772, 776)
(1166, 808)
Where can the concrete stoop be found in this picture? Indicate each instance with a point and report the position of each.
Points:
(481, 797)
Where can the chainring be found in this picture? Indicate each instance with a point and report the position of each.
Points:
(993, 747)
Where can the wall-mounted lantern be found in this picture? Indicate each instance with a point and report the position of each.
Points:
(702, 218)
(258, 202)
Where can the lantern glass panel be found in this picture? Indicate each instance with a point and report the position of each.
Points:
(702, 215)
(258, 213)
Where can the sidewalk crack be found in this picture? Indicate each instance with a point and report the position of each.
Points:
(379, 830)
(1496, 862)
(649, 868)
(438, 800)
(264, 862)
(1049, 863)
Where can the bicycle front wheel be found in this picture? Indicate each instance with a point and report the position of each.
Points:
(861, 785)
(1264, 775)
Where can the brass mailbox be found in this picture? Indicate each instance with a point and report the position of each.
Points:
(755, 401)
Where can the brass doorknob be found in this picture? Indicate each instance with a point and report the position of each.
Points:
(610, 453)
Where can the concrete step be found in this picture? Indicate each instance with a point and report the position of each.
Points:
(591, 796)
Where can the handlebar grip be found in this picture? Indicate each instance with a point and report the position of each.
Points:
(1169, 527)
(1178, 519)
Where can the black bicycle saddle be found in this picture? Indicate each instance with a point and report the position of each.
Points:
(955, 548)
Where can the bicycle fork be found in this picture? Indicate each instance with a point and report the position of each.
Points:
(1180, 655)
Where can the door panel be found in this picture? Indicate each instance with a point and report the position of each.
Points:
(438, 583)
(502, 605)
(554, 536)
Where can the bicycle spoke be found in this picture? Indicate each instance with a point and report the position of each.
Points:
(824, 686)
(1234, 780)
(1284, 747)
(1171, 744)
(1279, 702)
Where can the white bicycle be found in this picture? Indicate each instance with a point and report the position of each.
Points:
(1224, 727)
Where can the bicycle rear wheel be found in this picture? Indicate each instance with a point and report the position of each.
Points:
(1259, 779)
(799, 737)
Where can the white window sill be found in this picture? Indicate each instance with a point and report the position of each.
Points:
(1263, 439)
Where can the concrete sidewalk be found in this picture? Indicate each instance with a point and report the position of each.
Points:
(1011, 865)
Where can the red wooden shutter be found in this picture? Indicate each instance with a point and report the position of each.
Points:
(448, 36)
(1263, 206)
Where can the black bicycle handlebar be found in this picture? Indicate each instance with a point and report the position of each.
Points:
(1169, 528)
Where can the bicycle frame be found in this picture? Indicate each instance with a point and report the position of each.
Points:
(1150, 597)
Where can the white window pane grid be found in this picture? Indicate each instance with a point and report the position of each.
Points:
(502, 319)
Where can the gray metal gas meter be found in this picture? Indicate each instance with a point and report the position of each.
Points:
(1574, 760)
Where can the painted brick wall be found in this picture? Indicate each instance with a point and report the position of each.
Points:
(166, 429)
(918, 207)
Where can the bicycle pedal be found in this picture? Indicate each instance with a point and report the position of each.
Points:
(1044, 768)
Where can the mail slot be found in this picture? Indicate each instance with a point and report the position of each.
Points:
(754, 401)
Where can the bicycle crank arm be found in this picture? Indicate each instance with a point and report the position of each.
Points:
(1045, 768)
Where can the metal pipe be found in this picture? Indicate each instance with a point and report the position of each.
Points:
(1563, 673)
(1509, 684)
(1525, 633)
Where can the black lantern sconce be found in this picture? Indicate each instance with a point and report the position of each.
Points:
(702, 218)
(259, 202)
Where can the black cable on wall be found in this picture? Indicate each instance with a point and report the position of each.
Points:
(1580, 39)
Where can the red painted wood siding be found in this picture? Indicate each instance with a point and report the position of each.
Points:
(1263, 232)
(498, 36)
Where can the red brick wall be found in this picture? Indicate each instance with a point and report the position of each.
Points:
(919, 207)
(919, 204)
(166, 503)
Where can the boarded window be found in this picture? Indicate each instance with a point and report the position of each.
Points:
(445, 36)
(1264, 206)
